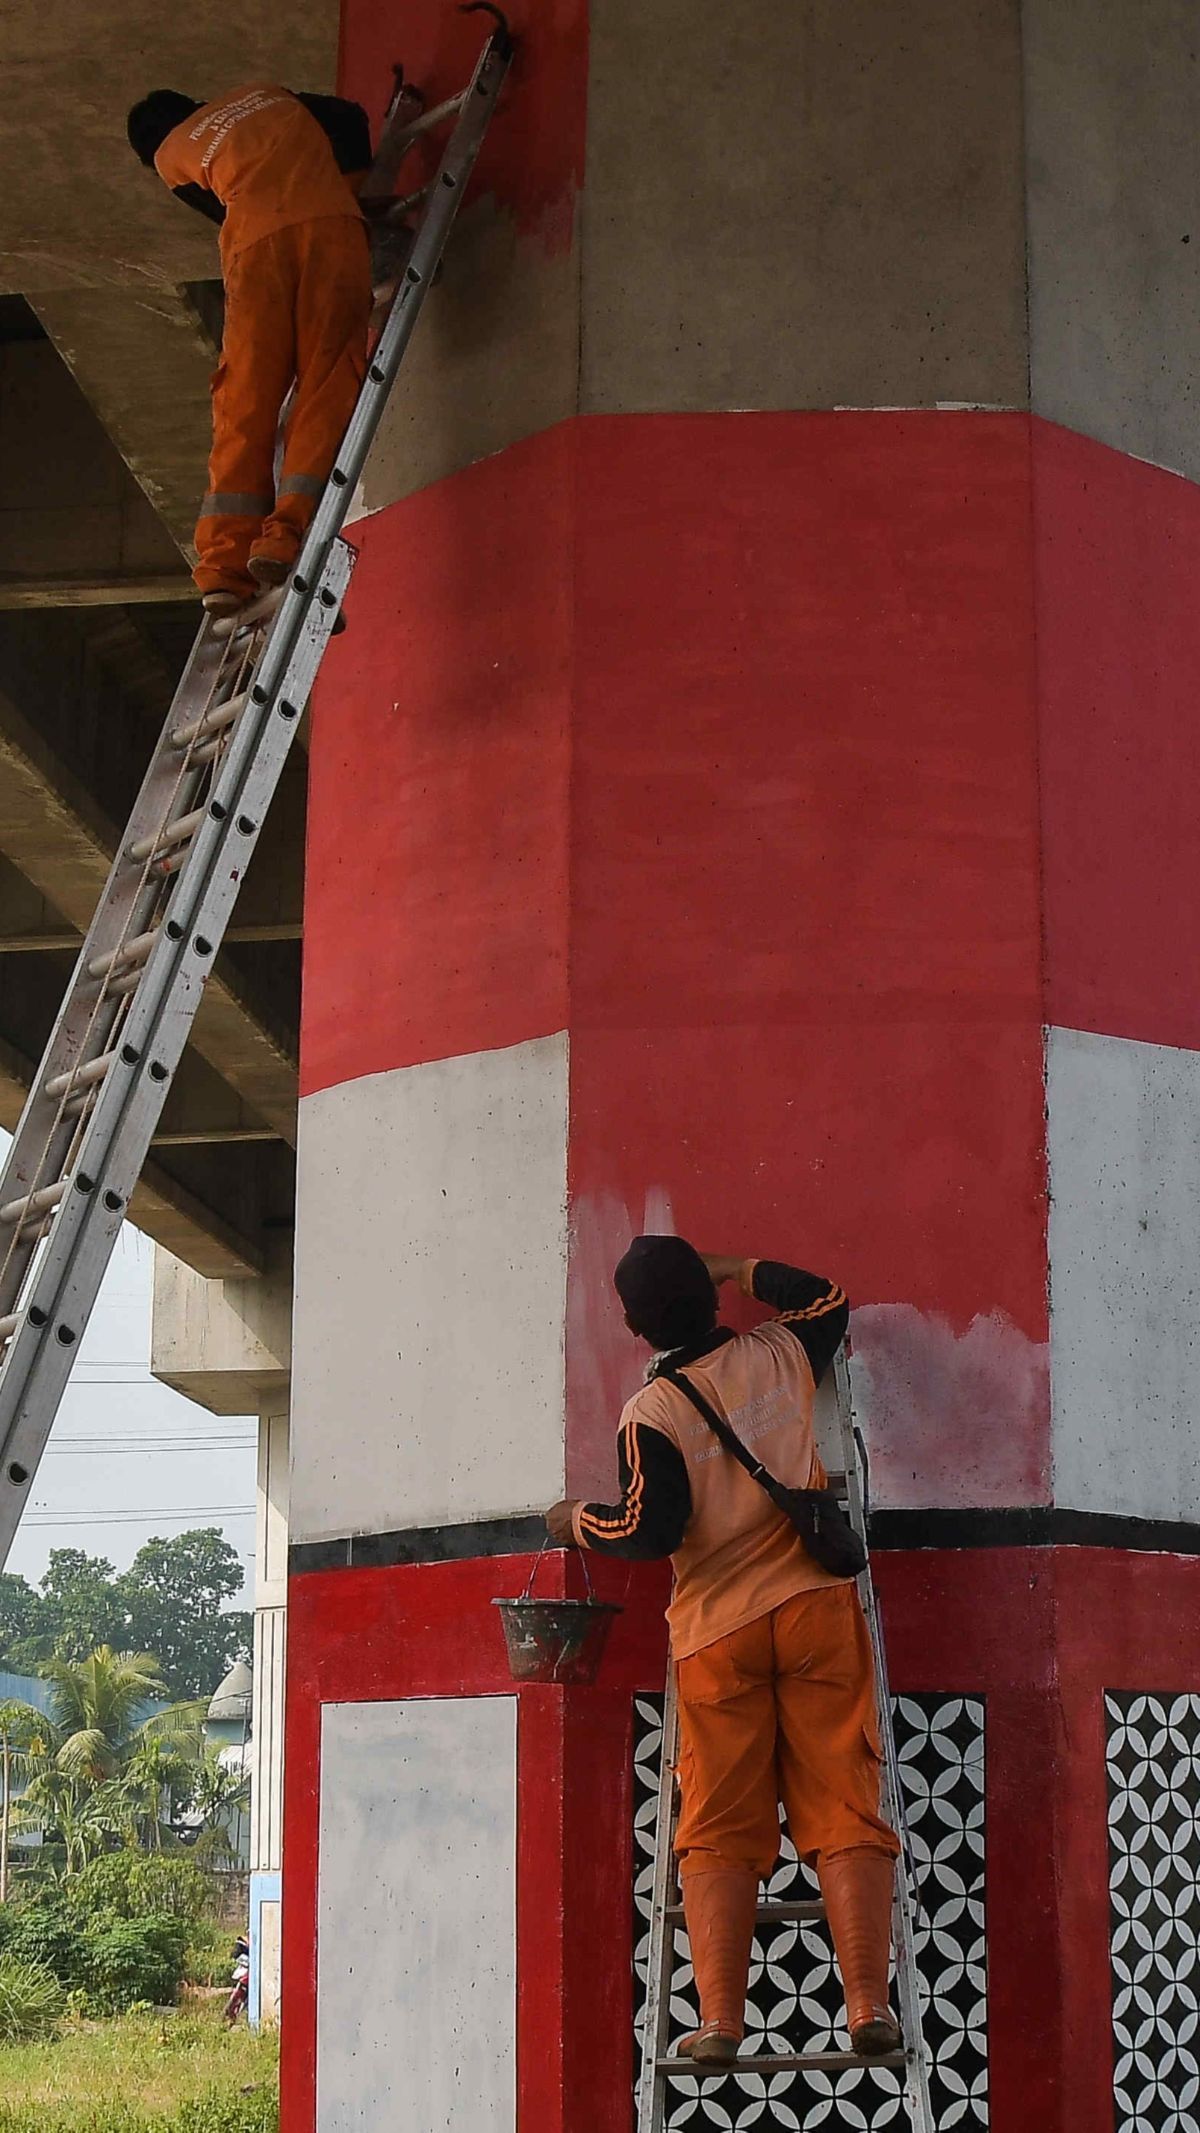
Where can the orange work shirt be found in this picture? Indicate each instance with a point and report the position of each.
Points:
(266, 159)
(740, 1557)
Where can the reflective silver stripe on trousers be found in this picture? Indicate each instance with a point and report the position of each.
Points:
(302, 485)
(235, 503)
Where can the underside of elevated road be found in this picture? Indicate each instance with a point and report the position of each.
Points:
(110, 319)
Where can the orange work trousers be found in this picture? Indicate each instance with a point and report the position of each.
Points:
(781, 1710)
(297, 305)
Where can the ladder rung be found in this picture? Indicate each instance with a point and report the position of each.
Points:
(173, 833)
(785, 2063)
(428, 120)
(128, 957)
(34, 1205)
(400, 208)
(801, 1911)
(213, 721)
(8, 1326)
(254, 612)
(80, 1077)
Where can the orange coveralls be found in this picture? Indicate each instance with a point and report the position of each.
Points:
(773, 1660)
(297, 302)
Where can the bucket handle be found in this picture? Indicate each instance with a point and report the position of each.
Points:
(537, 1564)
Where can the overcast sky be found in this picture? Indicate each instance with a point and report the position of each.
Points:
(128, 1458)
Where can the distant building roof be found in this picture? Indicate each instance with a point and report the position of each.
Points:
(232, 1700)
(25, 1688)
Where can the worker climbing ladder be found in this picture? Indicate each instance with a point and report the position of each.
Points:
(119, 1035)
(659, 2065)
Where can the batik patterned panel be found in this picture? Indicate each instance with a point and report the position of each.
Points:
(795, 2001)
(1153, 1755)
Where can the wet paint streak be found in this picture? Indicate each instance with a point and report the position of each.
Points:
(532, 160)
(605, 1363)
(952, 1419)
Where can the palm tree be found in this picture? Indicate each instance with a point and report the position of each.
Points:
(21, 1725)
(97, 1705)
(218, 1791)
(154, 1775)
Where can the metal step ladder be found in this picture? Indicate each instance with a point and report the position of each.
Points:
(659, 2065)
(96, 1098)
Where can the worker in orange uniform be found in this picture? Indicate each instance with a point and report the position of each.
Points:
(772, 1654)
(277, 172)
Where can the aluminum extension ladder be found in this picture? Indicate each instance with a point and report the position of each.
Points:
(666, 1913)
(95, 1100)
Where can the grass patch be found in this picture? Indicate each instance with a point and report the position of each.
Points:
(143, 2073)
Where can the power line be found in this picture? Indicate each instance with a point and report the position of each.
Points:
(124, 1518)
(134, 1437)
(150, 1451)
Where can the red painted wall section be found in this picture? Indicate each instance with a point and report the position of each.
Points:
(533, 158)
(436, 901)
(711, 738)
(1118, 564)
(1039, 1634)
(805, 953)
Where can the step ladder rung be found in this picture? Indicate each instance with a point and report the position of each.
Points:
(803, 1911)
(214, 721)
(252, 615)
(400, 208)
(124, 982)
(80, 1077)
(784, 2063)
(426, 123)
(33, 1206)
(164, 839)
(208, 751)
(128, 956)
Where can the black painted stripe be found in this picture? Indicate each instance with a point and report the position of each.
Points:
(1033, 1526)
(421, 1544)
(1038, 1526)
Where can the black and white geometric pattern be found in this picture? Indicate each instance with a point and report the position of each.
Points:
(1153, 1757)
(794, 2000)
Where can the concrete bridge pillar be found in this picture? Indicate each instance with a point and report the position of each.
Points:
(755, 796)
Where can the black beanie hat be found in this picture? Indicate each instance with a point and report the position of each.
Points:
(151, 120)
(666, 1289)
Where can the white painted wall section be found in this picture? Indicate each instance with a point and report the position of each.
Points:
(1123, 1142)
(431, 1294)
(417, 1960)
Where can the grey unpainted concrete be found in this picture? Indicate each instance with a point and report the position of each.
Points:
(803, 205)
(1113, 169)
(1123, 1144)
(76, 209)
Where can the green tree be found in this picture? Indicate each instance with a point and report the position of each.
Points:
(82, 1605)
(219, 1793)
(171, 1601)
(103, 1769)
(173, 1594)
(99, 1705)
(19, 1607)
(156, 1778)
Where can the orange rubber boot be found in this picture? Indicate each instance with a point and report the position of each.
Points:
(718, 1909)
(857, 1889)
